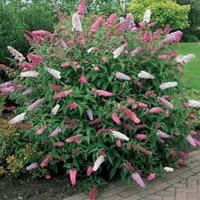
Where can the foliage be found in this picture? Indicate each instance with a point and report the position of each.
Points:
(96, 78)
(164, 12)
(194, 19)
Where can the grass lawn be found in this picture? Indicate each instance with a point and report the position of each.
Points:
(192, 69)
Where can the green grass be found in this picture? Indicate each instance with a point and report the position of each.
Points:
(192, 69)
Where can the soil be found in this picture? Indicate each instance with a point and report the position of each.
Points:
(24, 189)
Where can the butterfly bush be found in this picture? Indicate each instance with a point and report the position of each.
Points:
(103, 102)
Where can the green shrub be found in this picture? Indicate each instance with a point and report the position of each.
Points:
(163, 11)
(91, 100)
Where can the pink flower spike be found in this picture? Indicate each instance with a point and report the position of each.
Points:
(35, 59)
(155, 110)
(89, 171)
(111, 20)
(93, 194)
(61, 95)
(56, 88)
(191, 141)
(46, 160)
(74, 139)
(115, 118)
(99, 22)
(73, 175)
(140, 137)
(182, 154)
(41, 130)
(83, 79)
(66, 64)
(131, 115)
(72, 106)
(118, 143)
(82, 7)
(102, 93)
(136, 51)
(32, 167)
(56, 132)
(128, 166)
(59, 144)
(138, 180)
(164, 57)
(162, 135)
(151, 177)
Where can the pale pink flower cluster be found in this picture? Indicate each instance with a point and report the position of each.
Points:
(172, 37)
(82, 7)
(16, 54)
(55, 133)
(117, 52)
(41, 130)
(98, 162)
(131, 115)
(90, 114)
(53, 72)
(162, 134)
(27, 92)
(167, 85)
(99, 22)
(29, 74)
(32, 166)
(76, 139)
(62, 94)
(35, 59)
(115, 118)
(146, 75)
(102, 93)
(138, 180)
(73, 176)
(120, 136)
(35, 105)
(136, 51)
(122, 76)
(19, 118)
(165, 102)
(76, 23)
(46, 160)
(184, 59)
(111, 20)
(191, 141)
(8, 87)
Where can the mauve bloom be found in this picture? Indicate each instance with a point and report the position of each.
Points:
(56, 88)
(98, 162)
(167, 29)
(164, 57)
(7, 90)
(165, 102)
(191, 140)
(155, 110)
(41, 130)
(162, 134)
(138, 180)
(61, 95)
(35, 59)
(27, 74)
(76, 23)
(142, 105)
(35, 105)
(130, 22)
(168, 169)
(182, 154)
(172, 37)
(56, 132)
(93, 193)
(122, 76)
(131, 115)
(151, 177)
(55, 110)
(76, 139)
(111, 20)
(16, 54)
(90, 114)
(147, 16)
(53, 72)
(145, 75)
(143, 150)
(117, 52)
(66, 64)
(72, 106)
(194, 103)
(136, 51)
(27, 92)
(105, 59)
(115, 118)
(82, 7)
(63, 44)
(19, 118)
(141, 137)
(146, 37)
(99, 22)
(46, 160)
(128, 166)
(184, 59)
(119, 135)
(96, 68)
(118, 143)
(73, 175)
(32, 167)
(83, 79)
(59, 144)
(25, 65)
(89, 171)
(167, 85)
(102, 93)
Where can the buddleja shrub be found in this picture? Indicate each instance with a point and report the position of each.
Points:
(98, 103)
